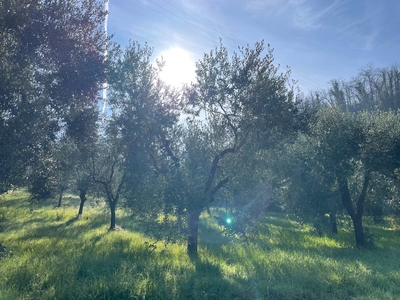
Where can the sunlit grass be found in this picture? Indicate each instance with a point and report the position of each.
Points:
(50, 254)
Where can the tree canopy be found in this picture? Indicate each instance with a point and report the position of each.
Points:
(52, 67)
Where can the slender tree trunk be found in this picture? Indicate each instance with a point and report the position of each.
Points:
(112, 210)
(359, 231)
(193, 224)
(179, 221)
(333, 221)
(82, 196)
(112, 197)
(356, 217)
(60, 198)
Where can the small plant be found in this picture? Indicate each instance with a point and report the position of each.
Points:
(4, 252)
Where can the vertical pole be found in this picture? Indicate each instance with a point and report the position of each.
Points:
(105, 57)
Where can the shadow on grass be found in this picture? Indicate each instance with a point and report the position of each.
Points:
(316, 267)
(41, 227)
(282, 262)
(208, 281)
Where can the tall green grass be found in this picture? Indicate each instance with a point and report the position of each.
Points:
(47, 253)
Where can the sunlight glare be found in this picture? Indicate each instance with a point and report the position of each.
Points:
(179, 67)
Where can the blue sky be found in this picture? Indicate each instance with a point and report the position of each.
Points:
(319, 39)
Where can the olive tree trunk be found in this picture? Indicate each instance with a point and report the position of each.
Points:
(356, 212)
(193, 234)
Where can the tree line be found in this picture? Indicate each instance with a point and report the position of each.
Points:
(239, 135)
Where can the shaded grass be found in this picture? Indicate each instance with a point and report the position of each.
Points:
(56, 256)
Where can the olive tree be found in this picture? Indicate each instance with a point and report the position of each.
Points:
(304, 186)
(142, 109)
(241, 99)
(52, 67)
(355, 149)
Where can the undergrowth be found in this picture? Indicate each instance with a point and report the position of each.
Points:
(47, 253)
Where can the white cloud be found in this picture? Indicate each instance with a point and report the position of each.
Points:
(363, 36)
(364, 31)
(309, 17)
(306, 14)
(270, 7)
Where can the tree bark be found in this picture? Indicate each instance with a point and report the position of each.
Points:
(60, 198)
(112, 198)
(359, 231)
(112, 210)
(356, 217)
(82, 196)
(333, 221)
(193, 224)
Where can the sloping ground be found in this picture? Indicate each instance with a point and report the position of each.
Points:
(47, 253)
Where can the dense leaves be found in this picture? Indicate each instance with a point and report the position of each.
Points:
(246, 104)
(143, 111)
(52, 67)
(345, 154)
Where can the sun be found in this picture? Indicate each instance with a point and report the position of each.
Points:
(179, 67)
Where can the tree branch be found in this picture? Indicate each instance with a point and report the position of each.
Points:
(346, 197)
(170, 153)
(361, 198)
(219, 185)
(153, 159)
(112, 171)
(214, 166)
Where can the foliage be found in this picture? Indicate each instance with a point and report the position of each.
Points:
(52, 67)
(304, 186)
(143, 109)
(246, 105)
(372, 88)
(344, 154)
(244, 93)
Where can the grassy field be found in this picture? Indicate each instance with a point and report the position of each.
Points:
(46, 253)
